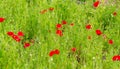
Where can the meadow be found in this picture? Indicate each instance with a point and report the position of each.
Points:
(59, 34)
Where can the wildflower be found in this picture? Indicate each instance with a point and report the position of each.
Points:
(116, 58)
(96, 4)
(51, 53)
(114, 13)
(15, 37)
(18, 39)
(64, 22)
(10, 33)
(58, 26)
(72, 24)
(20, 33)
(73, 49)
(88, 26)
(2, 19)
(51, 8)
(26, 45)
(89, 37)
(57, 51)
(110, 41)
(59, 32)
(98, 32)
(43, 11)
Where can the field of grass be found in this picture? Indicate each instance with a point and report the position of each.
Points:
(37, 19)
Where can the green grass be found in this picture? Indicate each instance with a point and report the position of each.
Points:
(24, 15)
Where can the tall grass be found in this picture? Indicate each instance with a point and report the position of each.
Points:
(24, 15)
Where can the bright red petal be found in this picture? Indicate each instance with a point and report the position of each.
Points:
(20, 33)
(64, 22)
(2, 19)
(26, 45)
(88, 26)
(98, 32)
(96, 4)
(59, 32)
(58, 26)
(73, 49)
(57, 51)
(110, 41)
(51, 53)
(10, 33)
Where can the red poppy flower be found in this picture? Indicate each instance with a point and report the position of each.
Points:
(18, 39)
(10, 33)
(71, 24)
(110, 41)
(98, 32)
(15, 37)
(73, 49)
(58, 26)
(96, 4)
(2, 19)
(26, 45)
(116, 58)
(20, 33)
(51, 8)
(57, 51)
(51, 53)
(114, 13)
(59, 32)
(43, 11)
(64, 22)
(88, 26)
(89, 37)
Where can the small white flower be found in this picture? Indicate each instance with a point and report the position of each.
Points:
(93, 58)
(51, 59)
(85, 66)
(30, 55)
